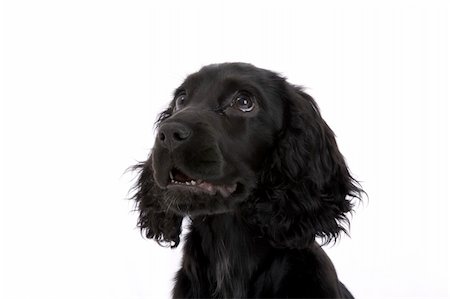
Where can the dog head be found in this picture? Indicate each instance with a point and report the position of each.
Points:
(236, 138)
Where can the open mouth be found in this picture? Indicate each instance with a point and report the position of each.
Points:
(178, 178)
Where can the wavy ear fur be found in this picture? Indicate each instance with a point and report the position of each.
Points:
(306, 188)
(155, 221)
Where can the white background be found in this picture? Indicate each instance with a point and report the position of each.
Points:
(84, 80)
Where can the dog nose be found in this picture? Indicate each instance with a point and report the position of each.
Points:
(173, 134)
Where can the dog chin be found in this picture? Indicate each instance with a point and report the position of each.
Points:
(189, 203)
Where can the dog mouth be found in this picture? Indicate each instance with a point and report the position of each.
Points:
(178, 179)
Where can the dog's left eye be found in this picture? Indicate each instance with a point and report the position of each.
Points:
(243, 102)
(180, 101)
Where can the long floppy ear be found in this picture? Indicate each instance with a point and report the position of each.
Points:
(155, 221)
(306, 186)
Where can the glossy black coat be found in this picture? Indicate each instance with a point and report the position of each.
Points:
(282, 181)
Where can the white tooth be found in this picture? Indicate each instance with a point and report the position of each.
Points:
(193, 182)
(173, 181)
(187, 183)
(171, 175)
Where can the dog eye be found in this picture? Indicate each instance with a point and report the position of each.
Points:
(180, 101)
(243, 102)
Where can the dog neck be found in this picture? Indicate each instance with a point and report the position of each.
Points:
(229, 248)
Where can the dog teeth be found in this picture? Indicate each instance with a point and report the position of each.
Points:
(188, 183)
(171, 176)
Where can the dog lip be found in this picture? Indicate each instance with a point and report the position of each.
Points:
(177, 179)
(177, 176)
(224, 190)
(198, 184)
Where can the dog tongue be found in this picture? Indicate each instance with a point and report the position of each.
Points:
(207, 187)
(225, 191)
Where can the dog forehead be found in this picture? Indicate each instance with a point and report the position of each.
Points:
(217, 81)
(228, 71)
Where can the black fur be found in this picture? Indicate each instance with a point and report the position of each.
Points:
(278, 182)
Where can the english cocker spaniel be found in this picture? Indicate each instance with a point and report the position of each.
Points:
(247, 157)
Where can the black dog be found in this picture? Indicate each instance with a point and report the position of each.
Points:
(248, 158)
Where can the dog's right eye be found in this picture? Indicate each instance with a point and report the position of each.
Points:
(180, 101)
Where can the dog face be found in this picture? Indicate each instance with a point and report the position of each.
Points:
(237, 138)
(214, 138)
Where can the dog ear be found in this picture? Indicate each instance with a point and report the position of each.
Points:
(155, 221)
(306, 186)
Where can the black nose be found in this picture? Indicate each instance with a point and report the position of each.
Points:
(173, 134)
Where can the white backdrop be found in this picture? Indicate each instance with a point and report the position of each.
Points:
(84, 80)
